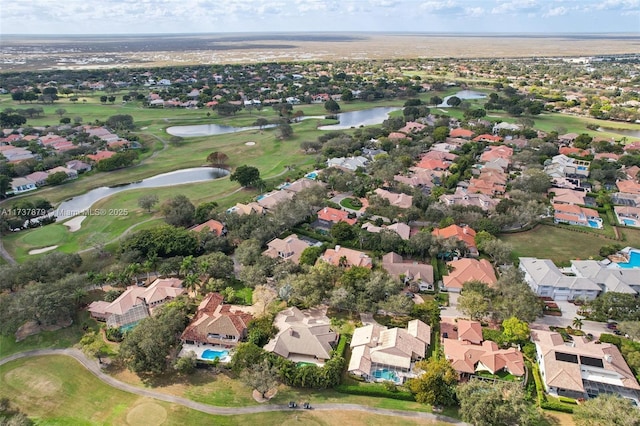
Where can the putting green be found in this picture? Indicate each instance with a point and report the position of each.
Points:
(49, 235)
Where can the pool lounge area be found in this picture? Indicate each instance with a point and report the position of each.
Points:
(207, 352)
(632, 256)
(384, 374)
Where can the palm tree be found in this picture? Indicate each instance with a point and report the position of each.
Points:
(191, 282)
(187, 266)
(578, 323)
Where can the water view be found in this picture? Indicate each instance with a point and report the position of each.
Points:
(209, 130)
(76, 205)
(463, 95)
(623, 132)
(364, 117)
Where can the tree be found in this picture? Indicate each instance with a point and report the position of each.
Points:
(428, 312)
(606, 410)
(616, 306)
(217, 159)
(248, 252)
(178, 211)
(147, 348)
(5, 184)
(515, 298)
(61, 111)
(263, 296)
(454, 101)
(310, 255)
(498, 250)
(474, 304)
(186, 364)
(515, 331)
(578, 323)
(216, 265)
(435, 100)
(496, 404)
(632, 328)
(261, 377)
(347, 95)
(147, 202)
(103, 99)
(440, 133)
(120, 122)
(533, 180)
(437, 384)
(342, 232)
(246, 355)
(285, 130)
(332, 106)
(57, 178)
(245, 175)
(398, 304)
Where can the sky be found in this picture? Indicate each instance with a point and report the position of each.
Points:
(215, 16)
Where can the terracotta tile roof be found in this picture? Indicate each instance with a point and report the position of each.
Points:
(329, 214)
(101, 155)
(466, 234)
(211, 225)
(465, 270)
(461, 133)
(351, 257)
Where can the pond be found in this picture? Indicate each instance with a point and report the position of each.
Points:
(623, 132)
(463, 95)
(82, 203)
(364, 117)
(209, 130)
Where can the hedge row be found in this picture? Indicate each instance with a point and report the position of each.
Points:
(374, 390)
(556, 406)
(542, 399)
(342, 345)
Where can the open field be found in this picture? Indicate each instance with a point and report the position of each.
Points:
(78, 52)
(57, 390)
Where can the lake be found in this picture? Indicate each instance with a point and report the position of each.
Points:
(209, 130)
(622, 132)
(77, 205)
(463, 95)
(364, 117)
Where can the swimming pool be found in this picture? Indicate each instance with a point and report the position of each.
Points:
(634, 260)
(128, 327)
(629, 222)
(385, 374)
(312, 175)
(211, 354)
(594, 223)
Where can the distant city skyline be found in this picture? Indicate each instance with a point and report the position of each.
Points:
(242, 16)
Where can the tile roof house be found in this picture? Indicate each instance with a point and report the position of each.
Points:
(462, 197)
(289, 248)
(461, 133)
(420, 178)
(100, 155)
(40, 178)
(465, 234)
(576, 215)
(341, 256)
(402, 229)
(627, 215)
(563, 166)
(376, 349)
(582, 368)
(332, 216)
(546, 280)
(469, 354)
(567, 196)
(20, 185)
(211, 225)
(628, 186)
(489, 182)
(349, 163)
(303, 336)
(485, 137)
(136, 302)
(250, 208)
(216, 324)
(465, 270)
(494, 152)
(401, 200)
(412, 127)
(273, 198)
(409, 271)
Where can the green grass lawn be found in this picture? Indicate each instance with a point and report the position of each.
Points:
(349, 203)
(56, 390)
(555, 243)
(62, 338)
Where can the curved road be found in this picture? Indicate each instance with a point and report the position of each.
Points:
(95, 369)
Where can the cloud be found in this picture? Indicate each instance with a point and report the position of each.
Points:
(447, 7)
(556, 11)
(516, 7)
(474, 11)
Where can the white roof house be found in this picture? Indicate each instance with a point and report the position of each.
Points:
(349, 163)
(546, 280)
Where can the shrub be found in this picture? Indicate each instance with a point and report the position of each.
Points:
(556, 406)
(610, 338)
(113, 334)
(566, 400)
(375, 391)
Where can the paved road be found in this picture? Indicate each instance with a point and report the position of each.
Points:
(95, 369)
(5, 254)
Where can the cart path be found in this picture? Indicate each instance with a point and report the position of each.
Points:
(95, 369)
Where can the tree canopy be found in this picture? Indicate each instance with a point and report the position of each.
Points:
(437, 385)
(246, 175)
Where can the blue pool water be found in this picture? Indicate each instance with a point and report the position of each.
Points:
(629, 222)
(260, 197)
(312, 175)
(211, 354)
(385, 374)
(594, 223)
(634, 260)
(582, 167)
(128, 327)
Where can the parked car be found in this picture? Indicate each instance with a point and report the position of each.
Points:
(293, 404)
(306, 406)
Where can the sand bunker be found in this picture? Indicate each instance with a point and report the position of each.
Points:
(75, 223)
(42, 250)
(249, 143)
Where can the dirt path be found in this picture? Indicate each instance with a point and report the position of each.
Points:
(95, 369)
